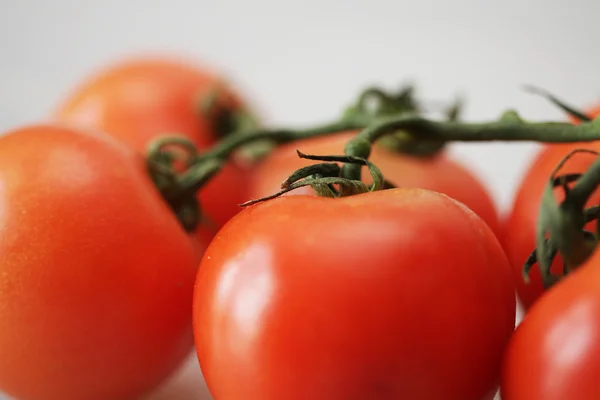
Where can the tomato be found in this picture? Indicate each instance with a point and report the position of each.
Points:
(555, 352)
(96, 273)
(138, 100)
(393, 294)
(519, 228)
(438, 173)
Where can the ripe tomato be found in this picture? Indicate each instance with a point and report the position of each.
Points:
(138, 100)
(520, 226)
(394, 294)
(96, 273)
(555, 352)
(438, 173)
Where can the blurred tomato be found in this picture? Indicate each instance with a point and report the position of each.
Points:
(138, 100)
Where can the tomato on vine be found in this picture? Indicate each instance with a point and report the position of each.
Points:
(555, 352)
(138, 100)
(519, 227)
(96, 272)
(311, 297)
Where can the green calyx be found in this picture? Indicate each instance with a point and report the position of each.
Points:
(561, 226)
(326, 180)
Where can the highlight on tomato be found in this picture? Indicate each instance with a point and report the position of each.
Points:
(437, 172)
(96, 271)
(378, 293)
(139, 99)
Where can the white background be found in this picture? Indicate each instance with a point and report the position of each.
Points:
(301, 62)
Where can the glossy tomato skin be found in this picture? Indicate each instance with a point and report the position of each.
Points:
(519, 228)
(138, 100)
(438, 173)
(397, 294)
(555, 352)
(96, 273)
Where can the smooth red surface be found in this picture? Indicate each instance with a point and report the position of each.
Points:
(138, 100)
(555, 352)
(396, 294)
(96, 273)
(440, 173)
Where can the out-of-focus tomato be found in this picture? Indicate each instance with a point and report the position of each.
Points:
(96, 272)
(438, 173)
(140, 99)
(555, 352)
(393, 294)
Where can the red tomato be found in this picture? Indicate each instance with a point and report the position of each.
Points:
(394, 294)
(138, 100)
(96, 273)
(555, 352)
(439, 173)
(519, 229)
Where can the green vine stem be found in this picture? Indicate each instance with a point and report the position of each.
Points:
(510, 127)
(377, 102)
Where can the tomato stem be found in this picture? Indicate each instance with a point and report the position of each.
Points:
(377, 102)
(561, 225)
(510, 127)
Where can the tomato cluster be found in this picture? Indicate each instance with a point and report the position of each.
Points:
(123, 245)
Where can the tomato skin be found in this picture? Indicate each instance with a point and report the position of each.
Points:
(96, 273)
(350, 301)
(439, 173)
(555, 352)
(140, 99)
